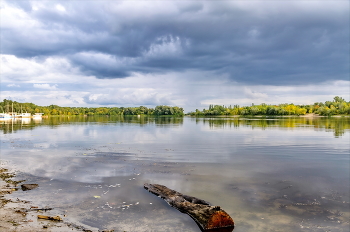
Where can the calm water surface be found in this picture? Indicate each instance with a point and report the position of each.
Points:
(286, 174)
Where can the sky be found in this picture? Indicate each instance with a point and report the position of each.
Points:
(177, 53)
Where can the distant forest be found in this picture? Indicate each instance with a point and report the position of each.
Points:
(6, 106)
(336, 107)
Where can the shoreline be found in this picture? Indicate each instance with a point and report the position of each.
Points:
(311, 115)
(18, 215)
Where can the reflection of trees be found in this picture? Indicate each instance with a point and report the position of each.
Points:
(11, 126)
(167, 120)
(337, 125)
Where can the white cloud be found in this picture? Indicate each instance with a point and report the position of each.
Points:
(34, 70)
(254, 95)
(13, 85)
(231, 94)
(12, 17)
(45, 86)
(60, 8)
(165, 46)
(130, 97)
(44, 98)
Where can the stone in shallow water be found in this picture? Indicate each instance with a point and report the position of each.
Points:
(26, 187)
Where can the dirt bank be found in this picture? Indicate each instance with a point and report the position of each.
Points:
(17, 215)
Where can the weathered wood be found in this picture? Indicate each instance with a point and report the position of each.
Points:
(207, 217)
(55, 218)
(39, 209)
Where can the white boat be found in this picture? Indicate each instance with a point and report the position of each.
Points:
(38, 115)
(24, 115)
(5, 115)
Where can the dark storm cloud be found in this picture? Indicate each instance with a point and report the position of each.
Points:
(99, 67)
(267, 43)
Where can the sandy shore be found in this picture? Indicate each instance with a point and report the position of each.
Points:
(311, 116)
(17, 215)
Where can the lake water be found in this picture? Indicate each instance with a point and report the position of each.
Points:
(282, 174)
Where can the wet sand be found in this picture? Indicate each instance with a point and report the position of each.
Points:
(22, 216)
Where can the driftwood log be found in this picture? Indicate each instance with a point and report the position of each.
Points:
(207, 217)
(55, 218)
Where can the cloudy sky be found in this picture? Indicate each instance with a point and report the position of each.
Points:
(185, 53)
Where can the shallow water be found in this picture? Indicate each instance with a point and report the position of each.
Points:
(277, 174)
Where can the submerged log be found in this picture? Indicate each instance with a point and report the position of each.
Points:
(32, 208)
(208, 217)
(26, 187)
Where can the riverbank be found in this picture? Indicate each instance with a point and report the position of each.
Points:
(18, 215)
(312, 115)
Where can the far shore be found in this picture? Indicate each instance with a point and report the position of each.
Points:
(312, 115)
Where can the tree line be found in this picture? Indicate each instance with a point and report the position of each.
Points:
(6, 106)
(336, 107)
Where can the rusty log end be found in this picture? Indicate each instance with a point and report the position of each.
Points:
(220, 219)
